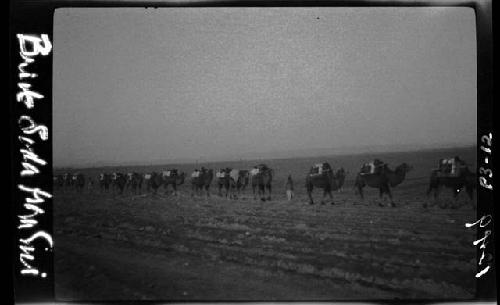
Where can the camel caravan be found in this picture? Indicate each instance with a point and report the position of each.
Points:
(451, 173)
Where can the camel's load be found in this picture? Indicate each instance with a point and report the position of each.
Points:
(373, 167)
(254, 171)
(147, 176)
(258, 169)
(320, 168)
(220, 174)
(195, 174)
(169, 173)
(234, 174)
(451, 166)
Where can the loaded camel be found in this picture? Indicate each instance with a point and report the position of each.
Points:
(261, 177)
(382, 179)
(322, 176)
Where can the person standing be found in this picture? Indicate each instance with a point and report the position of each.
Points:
(289, 188)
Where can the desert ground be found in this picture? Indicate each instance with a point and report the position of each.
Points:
(111, 246)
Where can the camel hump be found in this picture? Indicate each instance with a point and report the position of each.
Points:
(263, 166)
(320, 168)
(172, 172)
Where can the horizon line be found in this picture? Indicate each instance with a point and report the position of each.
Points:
(401, 149)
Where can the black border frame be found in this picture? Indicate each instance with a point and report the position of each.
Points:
(36, 17)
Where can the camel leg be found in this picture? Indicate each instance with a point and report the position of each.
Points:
(262, 192)
(324, 195)
(236, 191)
(454, 205)
(331, 197)
(269, 188)
(381, 196)
(360, 191)
(436, 197)
(388, 191)
(309, 188)
(429, 190)
(253, 190)
(437, 190)
(470, 191)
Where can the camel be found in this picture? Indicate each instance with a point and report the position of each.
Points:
(154, 182)
(202, 181)
(68, 180)
(119, 182)
(58, 181)
(79, 181)
(223, 180)
(383, 180)
(104, 182)
(327, 180)
(147, 181)
(174, 180)
(135, 183)
(261, 177)
(465, 180)
(238, 181)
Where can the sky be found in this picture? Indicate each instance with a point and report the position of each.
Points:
(142, 85)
